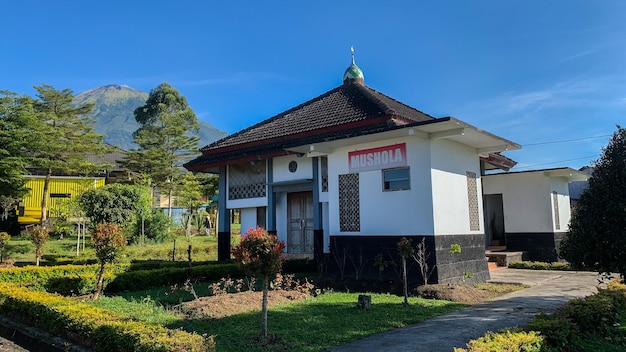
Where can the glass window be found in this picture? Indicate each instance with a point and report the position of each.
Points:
(396, 179)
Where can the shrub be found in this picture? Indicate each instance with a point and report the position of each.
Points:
(87, 325)
(540, 265)
(36, 277)
(39, 237)
(4, 240)
(108, 241)
(142, 279)
(259, 255)
(157, 228)
(507, 340)
(578, 318)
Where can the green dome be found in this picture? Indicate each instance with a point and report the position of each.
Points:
(353, 72)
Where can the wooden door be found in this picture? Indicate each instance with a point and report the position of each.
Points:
(300, 222)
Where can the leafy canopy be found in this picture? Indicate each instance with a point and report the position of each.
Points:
(597, 235)
(120, 204)
(259, 253)
(18, 123)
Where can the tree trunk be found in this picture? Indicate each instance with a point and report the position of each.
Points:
(44, 197)
(264, 306)
(406, 284)
(169, 202)
(189, 260)
(98, 291)
(37, 260)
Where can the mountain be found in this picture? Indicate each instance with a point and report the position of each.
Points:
(113, 111)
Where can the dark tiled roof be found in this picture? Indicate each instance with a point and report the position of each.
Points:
(346, 111)
(342, 105)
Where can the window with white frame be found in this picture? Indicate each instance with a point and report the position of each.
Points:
(396, 179)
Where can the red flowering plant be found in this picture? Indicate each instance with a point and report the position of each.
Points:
(259, 255)
(108, 241)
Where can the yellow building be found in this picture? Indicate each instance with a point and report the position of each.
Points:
(61, 187)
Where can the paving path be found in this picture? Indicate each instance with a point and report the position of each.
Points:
(549, 290)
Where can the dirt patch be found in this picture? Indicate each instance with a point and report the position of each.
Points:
(465, 293)
(223, 305)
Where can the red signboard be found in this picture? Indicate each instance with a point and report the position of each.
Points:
(377, 158)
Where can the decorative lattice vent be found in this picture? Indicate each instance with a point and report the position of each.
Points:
(349, 203)
(472, 200)
(247, 180)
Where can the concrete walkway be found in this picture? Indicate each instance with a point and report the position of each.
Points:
(549, 290)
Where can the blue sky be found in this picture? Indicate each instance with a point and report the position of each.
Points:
(530, 71)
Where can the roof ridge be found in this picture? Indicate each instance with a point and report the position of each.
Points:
(372, 90)
(381, 104)
(272, 118)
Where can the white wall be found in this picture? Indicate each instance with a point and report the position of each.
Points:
(386, 213)
(450, 163)
(248, 219)
(281, 216)
(281, 168)
(560, 185)
(526, 199)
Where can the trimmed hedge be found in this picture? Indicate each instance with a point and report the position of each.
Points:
(540, 265)
(95, 327)
(39, 277)
(142, 279)
(506, 340)
(156, 274)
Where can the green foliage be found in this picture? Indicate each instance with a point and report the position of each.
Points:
(99, 328)
(141, 279)
(598, 316)
(259, 253)
(108, 240)
(39, 237)
(4, 240)
(333, 315)
(595, 239)
(37, 277)
(507, 340)
(17, 121)
(189, 195)
(117, 203)
(165, 138)
(157, 228)
(64, 137)
(540, 265)
(455, 248)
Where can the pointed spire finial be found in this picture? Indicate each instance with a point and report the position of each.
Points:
(352, 51)
(353, 74)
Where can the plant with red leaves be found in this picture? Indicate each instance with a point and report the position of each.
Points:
(259, 255)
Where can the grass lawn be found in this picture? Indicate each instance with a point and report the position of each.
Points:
(317, 324)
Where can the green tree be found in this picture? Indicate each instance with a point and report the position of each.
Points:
(119, 204)
(259, 254)
(597, 235)
(18, 123)
(189, 196)
(108, 241)
(167, 138)
(39, 237)
(64, 138)
(4, 240)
